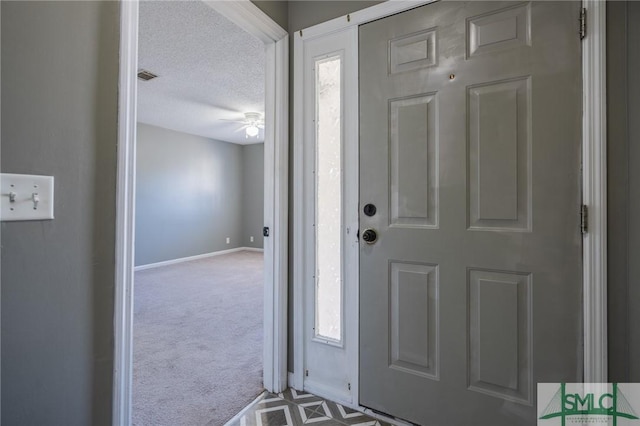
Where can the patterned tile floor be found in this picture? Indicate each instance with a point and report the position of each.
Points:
(292, 408)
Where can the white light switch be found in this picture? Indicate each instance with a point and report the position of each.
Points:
(26, 197)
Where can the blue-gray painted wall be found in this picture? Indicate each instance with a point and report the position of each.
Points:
(253, 195)
(192, 193)
(60, 117)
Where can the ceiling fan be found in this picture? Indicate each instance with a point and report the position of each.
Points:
(252, 124)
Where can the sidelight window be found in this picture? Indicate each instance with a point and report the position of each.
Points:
(328, 198)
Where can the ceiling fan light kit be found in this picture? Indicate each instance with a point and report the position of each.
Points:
(254, 122)
(251, 124)
(251, 131)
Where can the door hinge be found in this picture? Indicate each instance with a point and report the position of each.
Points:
(584, 219)
(306, 373)
(583, 23)
(349, 386)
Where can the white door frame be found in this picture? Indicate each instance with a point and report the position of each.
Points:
(594, 191)
(593, 181)
(250, 18)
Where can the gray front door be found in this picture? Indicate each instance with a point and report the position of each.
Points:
(470, 128)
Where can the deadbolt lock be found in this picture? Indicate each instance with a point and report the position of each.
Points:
(370, 209)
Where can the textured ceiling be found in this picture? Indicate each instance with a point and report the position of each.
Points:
(208, 70)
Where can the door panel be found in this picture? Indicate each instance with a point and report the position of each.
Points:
(500, 334)
(412, 157)
(470, 119)
(499, 126)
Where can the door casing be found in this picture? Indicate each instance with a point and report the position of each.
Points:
(594, 185)
(276, 186)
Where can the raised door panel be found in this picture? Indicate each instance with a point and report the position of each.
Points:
(500, 336)
(414, 319)
(413, 161)
(499, 155)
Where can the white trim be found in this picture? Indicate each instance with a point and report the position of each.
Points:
(252, 19)
(255, 249)
(281, 207)
(351, 214)
(360, 17)
(332, 394)
(297, 378)
(196, 257)
(125, 217)
(594, 172)
(290, 379)
(594, 179)
(247, 16)
(276, 216)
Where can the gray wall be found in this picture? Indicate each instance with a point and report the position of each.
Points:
(276, 9)
(633, 41)
(59, 117)
(253, 195)
(305, 13)
(192, 193)
(299, 14)
(623, 110)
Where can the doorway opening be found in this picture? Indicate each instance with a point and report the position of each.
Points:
(198, 298)
(184, 174)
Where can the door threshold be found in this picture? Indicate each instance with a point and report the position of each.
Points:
(379, 415)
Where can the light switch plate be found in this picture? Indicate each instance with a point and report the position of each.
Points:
(32, 197)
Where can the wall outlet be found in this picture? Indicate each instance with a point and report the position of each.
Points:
(228, 240)
(251, 238)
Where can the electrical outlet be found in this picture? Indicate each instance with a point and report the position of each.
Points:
(228, 240)
(251, 238)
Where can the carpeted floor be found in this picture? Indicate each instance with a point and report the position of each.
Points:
(197, 354)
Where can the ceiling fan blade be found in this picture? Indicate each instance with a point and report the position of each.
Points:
(241, 128)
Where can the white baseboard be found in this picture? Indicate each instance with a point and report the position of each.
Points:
(291, 381)
(327, 392)
(196, 257)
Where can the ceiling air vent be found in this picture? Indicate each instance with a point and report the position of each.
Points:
(146, 75)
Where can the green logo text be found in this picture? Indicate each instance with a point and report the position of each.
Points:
(613, 404)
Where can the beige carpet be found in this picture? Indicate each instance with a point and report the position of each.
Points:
(197, 355)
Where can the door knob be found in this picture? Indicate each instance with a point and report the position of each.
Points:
(370, 236)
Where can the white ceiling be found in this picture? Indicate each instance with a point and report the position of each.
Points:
(208, 69)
